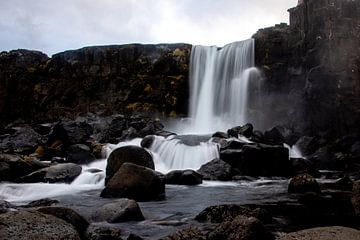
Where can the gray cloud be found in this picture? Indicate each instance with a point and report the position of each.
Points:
(53, 26)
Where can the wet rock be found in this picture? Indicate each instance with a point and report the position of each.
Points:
(241, 228)
(324, 233)
(80, 154)
(246, 130)
(193, 233)
(95, 232)
(22, 140)
(69, 216)
(258, 160)
(227, 212)
(301, 165)
(14, 166)
(147, 141)
(130, 154)
(133, 236)
(355, 198)
(41, 203)
(274, 136)
(183, 177)
(303, 183)
(165, 134)
(220, 135)
(135, 182)
(113, 133)
(19, 225)
(233, 145)
(66, 172)
(307, 145)
(5, 206)
(123, 210)
(216, 169)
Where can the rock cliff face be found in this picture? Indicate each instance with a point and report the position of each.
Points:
(108, 79)
(313, 66)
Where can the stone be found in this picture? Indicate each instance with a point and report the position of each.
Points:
(324, 233)
(355, 198)
(24, 224)
(147, 141)
(220, 135)
(192, 233)
(41, 203)
(122, 210)
(307, 145)
(241, 228)
(66, 173)
(135, 182)
(303, 183)
(246, 130)
(183, 177)
(216, 170)
(5, 206)
(69, 216)
(80, 154)
(95, 232)
(130, 154)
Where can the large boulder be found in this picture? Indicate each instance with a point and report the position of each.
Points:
(240, 228)
(355, 199)
(135, 182)
(23, 224)
(324, 233)
(123, 210)
(66, 173)
(183, 177)
(258, 160)
(216, 169)
(303, 183)
(127, 154)
(15, 166)
(80, 154)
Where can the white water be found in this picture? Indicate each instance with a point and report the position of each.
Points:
(219, 82)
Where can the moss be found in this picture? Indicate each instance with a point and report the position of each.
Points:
(37, 88)
(178, 53)
(171, 100)
(134, 106)
(31, 69)
(40, 150)
(148, 88)
(173, 114)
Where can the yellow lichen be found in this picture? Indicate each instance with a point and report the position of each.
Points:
(148, 88)
(37, 88)
(178, 53)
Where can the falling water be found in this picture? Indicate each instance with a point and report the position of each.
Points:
(219, 81)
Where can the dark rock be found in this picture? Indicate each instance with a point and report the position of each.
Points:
(66, 172)
(324, 233)
(241, 228)
(24, 140)
(323, 159)
(301, 165)
(135, 182)
(193, 233)
(233, 144)
(14, 166)
(217, 169)
(355, 198)
(134, 237)
(227, 212)
(303, 183)
(246, 130)
(129, 134)
(147, 141)
(307, 145)
(19, 225)
(183, 177)
(80, 154)
(123, 210)
(258, 160)
(243, 178)
(220, 135)
(5, 206)
(41, 203)
(130, 154)
(112, 134)
(95, 232)
(69, 216)
(257, 137)
(274, 136)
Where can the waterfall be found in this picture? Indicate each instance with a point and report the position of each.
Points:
(219, 82)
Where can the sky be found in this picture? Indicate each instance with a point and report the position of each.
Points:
(53, 26)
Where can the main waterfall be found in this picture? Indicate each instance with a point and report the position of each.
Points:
(219, 81)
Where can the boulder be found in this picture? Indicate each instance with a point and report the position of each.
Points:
(112, 134)
(41, 203)
(258, 160)
(323, 158)
(183, 177)
(274, 136)
(324, 233)
(307, 145)
(127, 154)
(23, 224)
(147, 141)
(15, 166)
(66, 173)
(355, 198)
(227, 212)
(69, 216)
(123, 210)
(192, 233)
(5, 206)
(80, 154)
(303, 183)
(135, 182)
(95, 232)
(246, 131)
(240, 228)
(216, 169)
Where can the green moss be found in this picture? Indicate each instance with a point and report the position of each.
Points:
(178, 53)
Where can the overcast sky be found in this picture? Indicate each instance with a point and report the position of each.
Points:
(52, 26)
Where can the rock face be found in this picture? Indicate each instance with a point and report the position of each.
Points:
(133, 77)
(34, 225)
(130, 154)
(324, 233)
(135, 182)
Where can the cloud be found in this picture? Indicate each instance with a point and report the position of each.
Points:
(53, 26)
